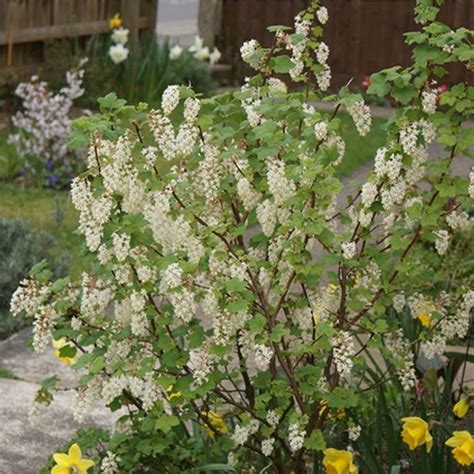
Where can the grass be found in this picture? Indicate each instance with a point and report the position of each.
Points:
(47, 211)
(359, 150)
(7, 374)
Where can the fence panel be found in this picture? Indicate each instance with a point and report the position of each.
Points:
(364, 35)
(26, 24)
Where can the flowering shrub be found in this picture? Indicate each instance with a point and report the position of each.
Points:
(43, 128)
(230, 305)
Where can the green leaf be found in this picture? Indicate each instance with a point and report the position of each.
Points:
(277, 332)
(166, 423)
(50, 382)
(282, 64)
(97, 365)
(316, 441)
(342, 398)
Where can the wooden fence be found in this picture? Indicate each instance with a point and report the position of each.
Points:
(364, 36)
(26, 24)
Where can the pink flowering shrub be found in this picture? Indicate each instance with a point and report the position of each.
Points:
(241, 316)
(43, 128)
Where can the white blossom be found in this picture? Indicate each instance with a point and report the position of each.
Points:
(118, 53)
(175, 52)
(360, 113)
(170, 99)
(322, 53)
(323, 15)
(120, 36)
(349, 250)
(428, 101)
(296, 437)
(268, 446)
(442, 241)
(321, 131)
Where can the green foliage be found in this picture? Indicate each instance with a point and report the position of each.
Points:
(145, 74)
(20, 249)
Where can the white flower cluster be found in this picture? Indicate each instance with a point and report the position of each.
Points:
(349, 250)
(412, 132)
(390, 167)
(198, 50)
(354, 432)
(94, 212)
(249, 49)
(442, 241)
(399, 301)
(343, 350)
(117, 51)
(322, 53)
(360, 113)
(170, 99)
(458, 220)
(323, 15)
(400, 350)
(247, 194)
(263, 356)
(428, 101)
(296, 436)
(45, 124)
(109, 464)
(268, 446)
(321, 131)
(243, 432)
(279, 185)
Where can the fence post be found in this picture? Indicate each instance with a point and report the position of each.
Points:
(209, 20)
(130, 12)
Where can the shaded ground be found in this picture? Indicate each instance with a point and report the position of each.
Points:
(25, 447)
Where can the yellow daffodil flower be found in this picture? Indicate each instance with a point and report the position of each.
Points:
(461, 408)
(115, 21)
(339, 415)
(415, 432)
(463, 444)
(217, 423)
(71, 462)
(172, 394)
(339, 462)
(425, 315)
(58, 345)
(425, 319)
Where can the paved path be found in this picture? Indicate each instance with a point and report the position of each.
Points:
(24, 448)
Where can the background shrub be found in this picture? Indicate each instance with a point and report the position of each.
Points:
(20, 249)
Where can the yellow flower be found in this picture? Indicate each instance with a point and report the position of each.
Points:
(71, 463)
(339, 415)
(463, 444)
(58, 345)
(115, 21)
(425, 319)
(339, 462)
(415, 433)
(172, 394)
(217, 423)
(425, 314)
(461, 408)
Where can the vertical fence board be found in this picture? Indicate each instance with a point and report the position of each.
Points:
(19, 16)
(364, 36)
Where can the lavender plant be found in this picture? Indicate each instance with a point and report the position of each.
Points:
(43, 128)
(240, 315)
